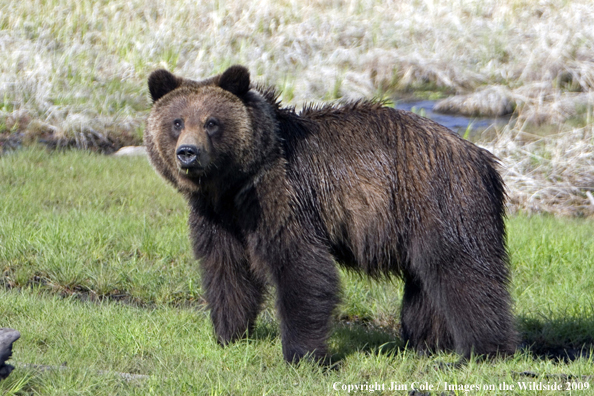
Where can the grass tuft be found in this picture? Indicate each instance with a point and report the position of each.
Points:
(553, 173)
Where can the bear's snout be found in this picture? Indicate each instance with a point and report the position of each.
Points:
(187, 156)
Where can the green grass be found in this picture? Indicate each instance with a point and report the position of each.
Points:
(55, 207)
(100, 280)
(553, 263)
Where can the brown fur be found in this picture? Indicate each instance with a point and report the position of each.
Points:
(279, 196)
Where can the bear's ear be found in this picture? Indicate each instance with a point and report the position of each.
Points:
(236, 79)
(161, 82)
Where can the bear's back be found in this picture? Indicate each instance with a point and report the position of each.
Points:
(377, 178)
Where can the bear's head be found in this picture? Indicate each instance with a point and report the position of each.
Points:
(215, 130)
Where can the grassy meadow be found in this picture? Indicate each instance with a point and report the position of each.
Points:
(99, 278)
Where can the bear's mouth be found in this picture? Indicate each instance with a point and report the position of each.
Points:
(191, 172)
(191, 160)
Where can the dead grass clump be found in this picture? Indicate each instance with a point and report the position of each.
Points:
(552, 174)
(80, 131)
(552, 107)
(536, 103)
(493, 101)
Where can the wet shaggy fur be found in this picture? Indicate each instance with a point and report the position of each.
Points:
(278, 197)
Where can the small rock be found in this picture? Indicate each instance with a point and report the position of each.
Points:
(7, 337)
(493, 101)
(130, 151)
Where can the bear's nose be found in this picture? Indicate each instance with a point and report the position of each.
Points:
(187, 155)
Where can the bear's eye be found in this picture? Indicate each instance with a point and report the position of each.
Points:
(178, 125)
(212, 126)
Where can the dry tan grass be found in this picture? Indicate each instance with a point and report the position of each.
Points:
(76, 69)
(493, 101)
(552, 174)
(60, 57)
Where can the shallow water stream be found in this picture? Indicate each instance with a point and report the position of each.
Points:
(457, 123)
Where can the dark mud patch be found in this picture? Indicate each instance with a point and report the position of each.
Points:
(80, 293)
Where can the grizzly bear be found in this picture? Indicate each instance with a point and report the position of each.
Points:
(277, 196)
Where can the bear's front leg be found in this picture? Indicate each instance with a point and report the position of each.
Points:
(233, 292)
(307, 286)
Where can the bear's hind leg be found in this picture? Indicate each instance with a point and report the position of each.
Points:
(473, 297)
(424, 328)
(466, 282)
